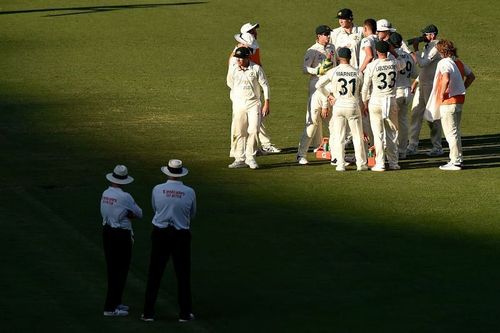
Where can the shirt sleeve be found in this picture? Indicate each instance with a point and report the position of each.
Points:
(131, 206)
(193, 206)
(322, 83)
(263, 82)
(308, 61)
(229, 78)
(424, 58)
(367, 80)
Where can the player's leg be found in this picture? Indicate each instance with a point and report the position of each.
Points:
(377, 125)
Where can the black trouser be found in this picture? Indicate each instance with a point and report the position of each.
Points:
(166, 242)
(117, 245)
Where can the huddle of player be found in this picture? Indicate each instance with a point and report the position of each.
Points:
(363, 81)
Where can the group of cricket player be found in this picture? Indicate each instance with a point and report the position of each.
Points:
(367, 85)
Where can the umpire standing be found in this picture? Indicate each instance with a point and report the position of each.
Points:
(117, 209)
(174, 205)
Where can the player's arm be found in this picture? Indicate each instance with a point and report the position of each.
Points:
(368, 58)
(308, 61)
(445, 82)
(265, 89)
(469, 76)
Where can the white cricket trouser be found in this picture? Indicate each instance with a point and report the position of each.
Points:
(403, 101)
(384, 124)
(341, 117)
(451, 116)
(264, 139)
(417, 116)
(312, 127)
(245, 126)
(317, 137)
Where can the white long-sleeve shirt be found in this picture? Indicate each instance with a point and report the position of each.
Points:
(312, 59)
(246, 84)
(174, 204)
(115, 206)
(344, 82)
(427, 61)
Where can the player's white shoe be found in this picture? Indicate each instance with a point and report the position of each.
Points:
(252, 164)
(451, 167)
(237, 164)
(271, 149)
(302, 160)
(435, 152)
(378, 168)
(363, 167)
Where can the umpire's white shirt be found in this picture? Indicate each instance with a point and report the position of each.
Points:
(174, 204)
(115, 205)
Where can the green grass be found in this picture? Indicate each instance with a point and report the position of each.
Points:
(281, 249)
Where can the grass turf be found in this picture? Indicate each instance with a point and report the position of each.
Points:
(284, 248)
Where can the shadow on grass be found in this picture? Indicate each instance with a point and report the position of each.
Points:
(272, 257)
(97, 9)
(480, 152)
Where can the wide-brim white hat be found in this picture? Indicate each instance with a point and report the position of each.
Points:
(384, 25)
(246, 38)
(174, 169)
(248, 27)
(120, 175)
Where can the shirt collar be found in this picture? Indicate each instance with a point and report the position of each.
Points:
(170, 181)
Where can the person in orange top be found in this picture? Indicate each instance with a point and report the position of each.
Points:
(448, 97)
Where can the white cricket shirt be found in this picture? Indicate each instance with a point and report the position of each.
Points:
(246, 84)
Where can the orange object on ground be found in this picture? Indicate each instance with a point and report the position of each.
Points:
(323, 152)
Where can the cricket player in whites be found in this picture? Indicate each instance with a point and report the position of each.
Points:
(317, 60)
(264, 139)
(379, 98)
(347, 35)
(246, 79)
(403, 91)
(344, 95)
(427, 61)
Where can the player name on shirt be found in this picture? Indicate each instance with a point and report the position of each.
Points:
(346, 73)
(385, 67)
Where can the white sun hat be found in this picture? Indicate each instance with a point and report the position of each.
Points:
(246, 38)
(384, 25)
(248, 27)
(174, 169)
(120, 175)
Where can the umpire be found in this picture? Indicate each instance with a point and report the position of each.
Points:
(117, 209)
(174, 206)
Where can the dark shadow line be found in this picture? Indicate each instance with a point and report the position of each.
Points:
(95, 9)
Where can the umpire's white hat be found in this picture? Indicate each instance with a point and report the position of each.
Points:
(120, 175)
(174, 169)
